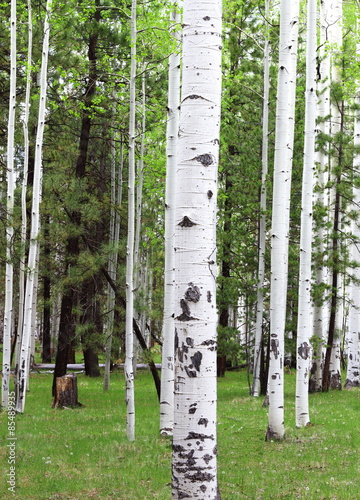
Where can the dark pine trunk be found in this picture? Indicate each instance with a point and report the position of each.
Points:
(46, 337)
(67, 317)
(225, 275)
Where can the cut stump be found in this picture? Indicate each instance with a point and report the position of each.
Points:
(66, 393)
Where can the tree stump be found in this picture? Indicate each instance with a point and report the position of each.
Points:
(66, 393)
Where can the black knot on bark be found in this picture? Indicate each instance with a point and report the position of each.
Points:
(206, 18)
(196, 360)
(304, 350)
(210, 194)
(186, 222)
(193, 294)
(203, 421)
(186, 314)
(205, 159)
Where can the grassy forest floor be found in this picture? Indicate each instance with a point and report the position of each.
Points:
(83, 453)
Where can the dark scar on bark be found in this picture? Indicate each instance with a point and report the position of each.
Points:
(178, 448)
(190, 373)
(205, 159)
(200, 437)
(203, 477)
(190, 342)
(192, 294)
(203, 421)
(210, 194)
(185, 316)
(193, 408)
(209, 296)
(186, 222)
(211, 344)
(304, 350)
(196, 360)
(275, 347)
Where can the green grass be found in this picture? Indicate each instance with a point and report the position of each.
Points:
(83, 453)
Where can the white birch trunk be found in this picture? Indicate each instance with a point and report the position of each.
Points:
(129, 341)
(280, 214)
(116, 199)
(194, 462)
(335, 38)
(321, 312)
(304, 325)
(11, 179)
(24, 189)
(262, 223)
(167, 360)
(139, 283)
(31, 282)
(353, 344)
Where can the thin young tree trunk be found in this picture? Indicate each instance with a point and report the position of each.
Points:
(129, 339)
(321, 306)
(24, 191)
(331, 372)
(10, 175)
(284, 136)
(194, 462)
(353, 367)
(116, 199)
(262, 221)
(304, 325)
(139, 267)
(33, 259)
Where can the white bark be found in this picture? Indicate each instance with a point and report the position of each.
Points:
(129, 343)
(262, 223)
(304, 325)
(31, 282)
(335, 39)
(353, 347)
(321, 308)
(24, 189)
(284, 136)
(167, 360)
(139, 265)
(11, 179)
(194, 462)
(116, 199)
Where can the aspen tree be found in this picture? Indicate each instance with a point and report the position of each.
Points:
(321, 307)
(11, 179)
(129, 339)
(332, 370)
(262, 222)
(31, 282)
(116, 199)
(194, 463)
(304, 324)
(353, 349)
(284, 137)
(167, 360)
(24, 187)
